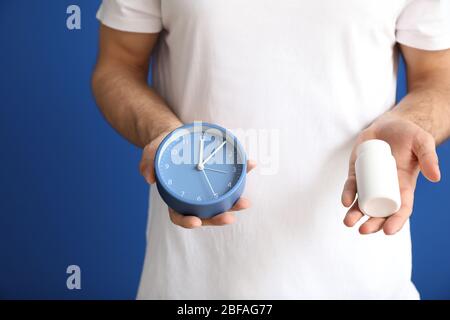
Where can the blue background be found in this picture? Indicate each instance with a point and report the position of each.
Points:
(69, 185)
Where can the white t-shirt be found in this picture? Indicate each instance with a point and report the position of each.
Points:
(297, 80)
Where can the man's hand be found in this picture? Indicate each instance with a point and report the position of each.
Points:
(414, 150)
(412, 128)
(148, 171)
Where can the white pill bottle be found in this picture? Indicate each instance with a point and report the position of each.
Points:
(376, 179)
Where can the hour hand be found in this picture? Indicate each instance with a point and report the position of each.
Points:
(213, 153)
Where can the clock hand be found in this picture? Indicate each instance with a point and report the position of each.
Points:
(200, 165)
(214, 152)
(209, 183)
(215, 170)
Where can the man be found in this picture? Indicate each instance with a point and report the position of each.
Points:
(317, 78)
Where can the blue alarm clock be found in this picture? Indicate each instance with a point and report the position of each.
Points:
(200, 169)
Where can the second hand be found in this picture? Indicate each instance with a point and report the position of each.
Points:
(209, 183)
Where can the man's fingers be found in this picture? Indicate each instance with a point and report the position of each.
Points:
(353, 215)
(349, 192)
(424, 148)
(430, 167)
(251, 164)
(372, 225)
(241, 204)
(390, 225)
(188, 222)
(146, 165)
(219, 220)
(227, 217)
(395, 222)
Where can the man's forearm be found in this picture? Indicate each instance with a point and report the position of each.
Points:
(135, 110)
(428, 105)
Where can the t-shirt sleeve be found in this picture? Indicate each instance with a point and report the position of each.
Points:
(142, 16)
(425, 24)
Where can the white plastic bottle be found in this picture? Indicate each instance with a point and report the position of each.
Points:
(377, 179)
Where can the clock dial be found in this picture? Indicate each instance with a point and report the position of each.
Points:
(200, 164)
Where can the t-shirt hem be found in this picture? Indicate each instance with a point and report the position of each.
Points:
(413, 40)
(118, 22)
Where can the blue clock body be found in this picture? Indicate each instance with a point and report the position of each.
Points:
(200, 169)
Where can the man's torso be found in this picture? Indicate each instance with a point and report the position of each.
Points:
(296, 81)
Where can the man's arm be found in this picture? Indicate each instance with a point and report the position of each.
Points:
(413, 128)
(428, 101)
(136, 111)
(120, 87)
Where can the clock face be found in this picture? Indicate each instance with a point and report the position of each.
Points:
(200, 163)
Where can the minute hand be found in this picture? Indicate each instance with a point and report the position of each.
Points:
(200, 157)
(213, 153)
